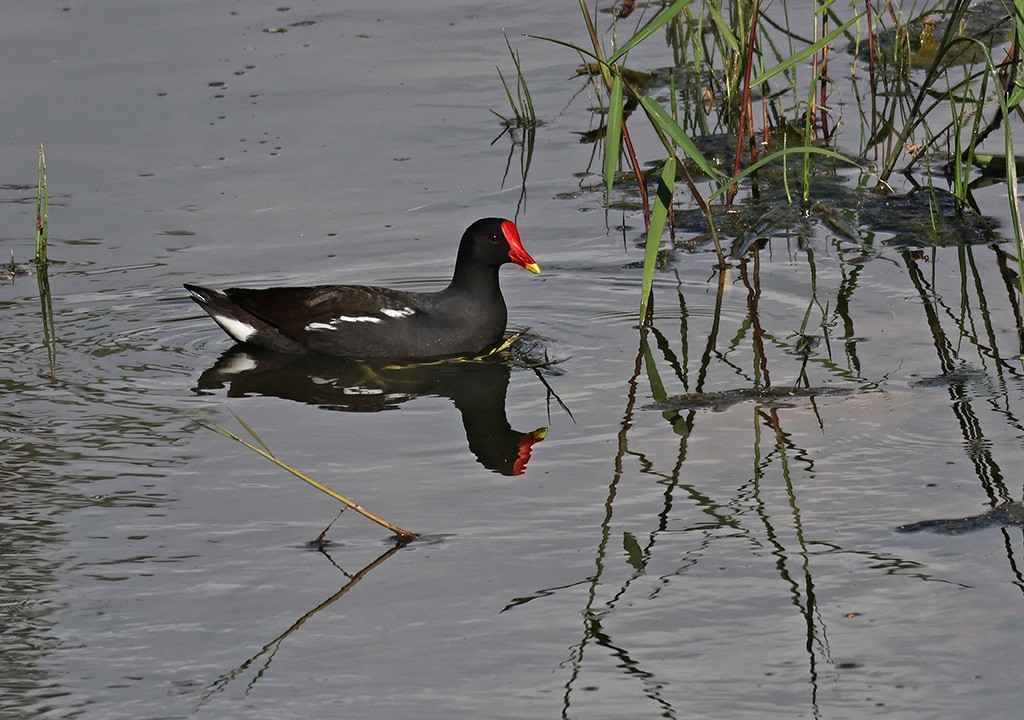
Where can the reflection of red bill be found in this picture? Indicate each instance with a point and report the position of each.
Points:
(526, 443)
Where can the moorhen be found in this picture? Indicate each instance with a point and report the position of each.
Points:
(373, 323)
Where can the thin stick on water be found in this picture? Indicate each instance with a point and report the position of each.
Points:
(262, 449)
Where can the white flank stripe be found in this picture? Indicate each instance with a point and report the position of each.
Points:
(359, 318)
(356, 390)
(335, 322)
(404, 312)
(237, 329)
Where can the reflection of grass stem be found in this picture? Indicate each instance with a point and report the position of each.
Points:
(263, 450)
(46, 305)
(270, 649)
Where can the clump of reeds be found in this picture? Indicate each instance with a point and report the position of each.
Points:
(755, 74)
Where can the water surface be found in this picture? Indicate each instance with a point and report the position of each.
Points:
(732, 559)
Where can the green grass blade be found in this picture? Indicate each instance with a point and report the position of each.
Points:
(251, 432)
(803, 54)
(1011, 189)
(572, 46)
(1018, 23)
(1016, 95)
(1011, 185)
(511, 100)
(669, 126)
(613, 136)
(531, 113)
(659, 215)
(42, 210)
(1010, 104)
(723, 28)
(657, 22)
(506, 120)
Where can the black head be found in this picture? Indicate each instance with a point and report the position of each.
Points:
(494, 241)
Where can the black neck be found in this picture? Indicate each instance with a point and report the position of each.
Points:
(473, 277)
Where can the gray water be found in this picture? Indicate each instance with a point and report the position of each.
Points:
(738, 557)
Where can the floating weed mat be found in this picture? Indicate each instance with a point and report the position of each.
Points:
(850, 217)
(260, 448)
(505, 345)
(517, 350)
(919, 42)
(1008, 515)
(514, 349)
(722, 400)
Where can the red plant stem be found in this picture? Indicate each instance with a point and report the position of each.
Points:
(812, 111)
(765, 124)
(746, 123)
(753, 285)
(871, 73)
(640, 183)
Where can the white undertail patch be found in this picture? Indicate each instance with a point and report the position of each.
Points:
(237, 329)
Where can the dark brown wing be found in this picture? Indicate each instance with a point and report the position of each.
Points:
(345, 320)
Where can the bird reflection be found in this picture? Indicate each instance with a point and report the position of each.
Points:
(477, 389)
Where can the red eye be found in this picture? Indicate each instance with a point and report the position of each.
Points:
(494, 239)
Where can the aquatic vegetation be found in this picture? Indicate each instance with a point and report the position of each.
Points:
(935, 90)
(42, 262)
(1005, 515)
(521, 103)
(42, 210)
